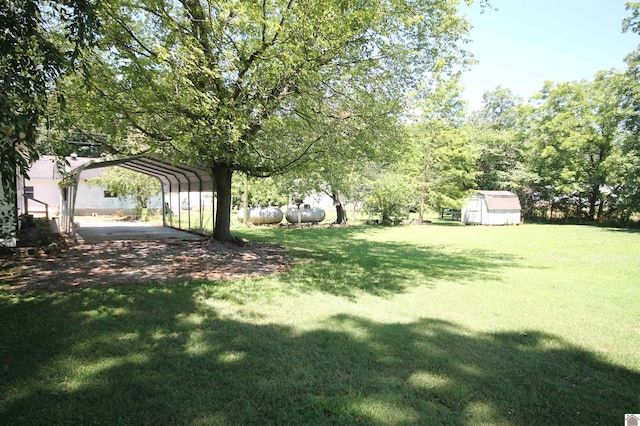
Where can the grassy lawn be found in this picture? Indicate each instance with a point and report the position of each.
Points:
(440, 324)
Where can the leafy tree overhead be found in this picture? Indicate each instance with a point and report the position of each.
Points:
(39, 40)
(259, 87)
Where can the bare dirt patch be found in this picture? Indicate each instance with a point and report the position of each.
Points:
(113, 263)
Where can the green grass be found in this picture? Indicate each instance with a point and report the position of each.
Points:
(440, 324)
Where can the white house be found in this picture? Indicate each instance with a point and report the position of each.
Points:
(491, 208)
(42, 190)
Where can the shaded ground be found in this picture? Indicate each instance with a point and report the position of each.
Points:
(110, 263)
(94, 231)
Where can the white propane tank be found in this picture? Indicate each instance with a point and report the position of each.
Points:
(262, 215)
(307, 215)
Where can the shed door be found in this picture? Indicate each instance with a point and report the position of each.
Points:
(473, 211)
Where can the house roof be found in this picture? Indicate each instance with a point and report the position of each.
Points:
(174, 177)
(45, 168)
(501, 200)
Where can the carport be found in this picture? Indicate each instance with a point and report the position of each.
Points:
(188, 202)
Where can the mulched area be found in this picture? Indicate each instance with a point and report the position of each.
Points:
(132, 262)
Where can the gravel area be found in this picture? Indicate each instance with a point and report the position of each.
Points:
(111, 263)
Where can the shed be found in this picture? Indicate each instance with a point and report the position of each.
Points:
(491, 208)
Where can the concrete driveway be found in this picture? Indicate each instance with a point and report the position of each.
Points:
(94, 231)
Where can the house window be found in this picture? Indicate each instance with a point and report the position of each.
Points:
(109, 194)
(28, 191)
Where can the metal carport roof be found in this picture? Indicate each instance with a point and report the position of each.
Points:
(174, 177)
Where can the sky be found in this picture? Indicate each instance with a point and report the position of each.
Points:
(525, 42)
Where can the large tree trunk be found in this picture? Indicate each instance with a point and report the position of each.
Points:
(222, 175)
(341, 213)
(599, 215)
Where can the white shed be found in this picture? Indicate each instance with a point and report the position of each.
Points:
(491, 208)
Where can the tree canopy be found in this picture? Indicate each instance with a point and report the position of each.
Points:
(40, 40)
(259, 87)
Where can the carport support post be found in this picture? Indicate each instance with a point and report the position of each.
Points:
(201, 209)
(189, 205)
(72, 203)
(245, 201)
(164, 208)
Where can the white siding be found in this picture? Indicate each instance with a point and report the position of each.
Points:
(46, 191)
(502, 217)
(473, 211)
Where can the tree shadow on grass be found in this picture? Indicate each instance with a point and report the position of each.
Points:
(339, 262)
(156, 356)
(445, 222)
(624, 230)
